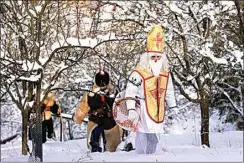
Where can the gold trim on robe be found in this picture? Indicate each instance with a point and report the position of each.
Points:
(154, 92)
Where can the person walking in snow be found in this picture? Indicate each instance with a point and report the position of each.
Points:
(153, 85)
(98, 105)
(49, 106)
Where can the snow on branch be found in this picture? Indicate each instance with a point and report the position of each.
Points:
(92, 42)
(239, 110)
(238, 55)
(191, 96)
(206, 51)
(31, 66)
(32, 78)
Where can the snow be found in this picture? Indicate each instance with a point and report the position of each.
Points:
(239, 54)
(191, 94)
(183, 139)
(219, 126)
(43, 60)
(69, 116)
(30, 104)
(10, 120)
(181, 144)
(38, 8)
(152, 14)
(227, 146)
(227, 3)
(206, 51)
(74, 42)
(27, 66)
(33, 13)
(190, 77)
(174, 8)
(87, 42)
(107, 12)
(87, 23)
(31, 78)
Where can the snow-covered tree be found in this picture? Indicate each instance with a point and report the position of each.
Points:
(58, 46)
(229, 41)
(41, 40)
(196, 65)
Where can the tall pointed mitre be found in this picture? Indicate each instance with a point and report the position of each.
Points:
(155, 40)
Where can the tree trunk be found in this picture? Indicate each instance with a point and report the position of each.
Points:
(70, 133)
(25, 115)
(61, 128)
(38, 129)
(24, 131)
(242, 92)
(205, 122)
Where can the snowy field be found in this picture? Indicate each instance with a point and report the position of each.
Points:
(225, 147)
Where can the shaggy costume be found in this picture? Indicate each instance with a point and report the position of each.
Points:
(98, 105)
(48, 107)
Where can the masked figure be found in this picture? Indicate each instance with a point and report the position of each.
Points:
(97, 104)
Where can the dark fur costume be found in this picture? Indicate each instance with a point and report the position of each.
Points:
(98, 105)
(101, 113)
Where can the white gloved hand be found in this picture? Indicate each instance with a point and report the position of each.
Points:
(132, 114)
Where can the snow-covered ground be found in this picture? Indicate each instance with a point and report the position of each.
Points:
(226, 147)
(182, 142)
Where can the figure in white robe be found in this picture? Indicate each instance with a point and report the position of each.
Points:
(151, 83)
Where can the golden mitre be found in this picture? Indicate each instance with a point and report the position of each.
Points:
(49, 100)
(155, 39)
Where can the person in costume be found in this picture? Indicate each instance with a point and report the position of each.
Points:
(97, 104)
(49, 106)
(152, 84)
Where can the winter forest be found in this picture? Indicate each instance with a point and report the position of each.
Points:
(58, 47)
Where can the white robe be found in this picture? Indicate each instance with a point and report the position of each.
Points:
(146, 125)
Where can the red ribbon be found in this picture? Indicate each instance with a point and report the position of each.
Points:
(102, 98)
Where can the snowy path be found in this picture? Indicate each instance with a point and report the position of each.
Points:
(227, 146)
